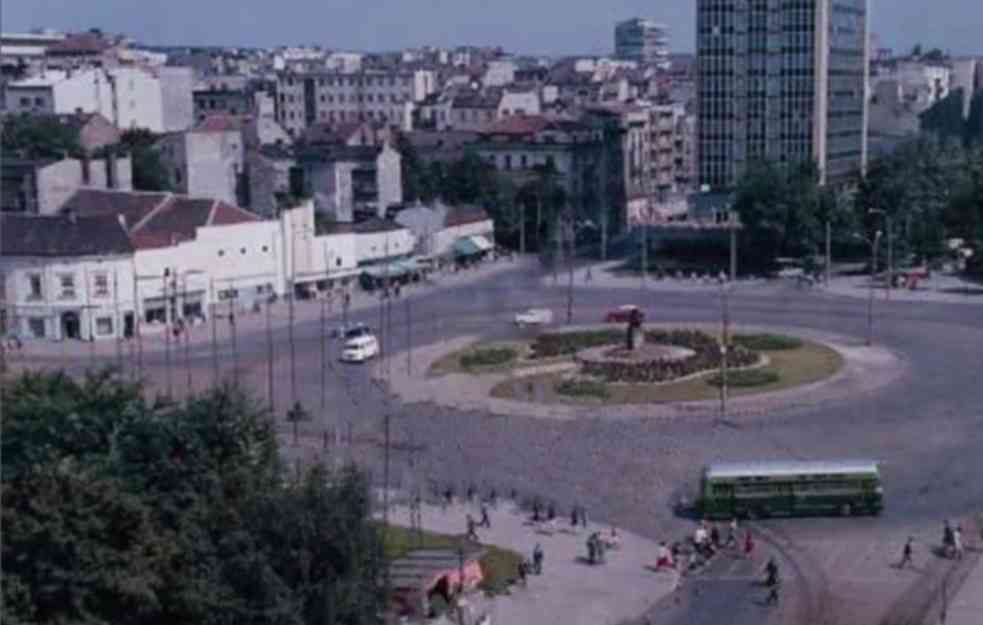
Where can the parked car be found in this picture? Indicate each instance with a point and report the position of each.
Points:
(350, 331)
(622, 314)
(534, 317)
(360, 349)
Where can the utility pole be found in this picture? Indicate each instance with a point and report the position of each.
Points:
(409, 339)
(522, 228)
(167, 333)
(269, 355)
(214, 319)
(890, 256)
(117, 324)
(235, 338)
(324, 366)
(602, 198)
(733, 246)
(559, 250)
(572, 234)
(724, 347)
(870, 299)
(829, 250)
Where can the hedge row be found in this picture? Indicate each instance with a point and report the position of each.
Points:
(583, 388)
(767, 342)
(488, 357)
(706, 356)
(745, 378)
(569, 343)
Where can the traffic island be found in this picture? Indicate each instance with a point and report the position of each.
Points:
(591, 372)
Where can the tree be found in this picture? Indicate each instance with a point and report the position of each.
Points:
(149, 173)
(779, 208)
(40, 136)
(120, 510)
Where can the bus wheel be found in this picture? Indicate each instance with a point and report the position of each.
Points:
(846, 510)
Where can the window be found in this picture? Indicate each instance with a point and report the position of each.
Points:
(242, 251)
(25, 102)
(67, 282)
(101, 285)
(508, 161)
(221, 252)
(36, 326)
(36, 283)
(104, 325)
(266, 248)
(524, 161)
(338, 262)
(38, 101)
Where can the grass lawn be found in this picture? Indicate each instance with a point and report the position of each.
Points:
(809, 363)
(499, 565)
(451, 363)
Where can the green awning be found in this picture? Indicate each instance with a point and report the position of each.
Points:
(465, 246)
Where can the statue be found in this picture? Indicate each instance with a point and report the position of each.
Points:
(634, 336)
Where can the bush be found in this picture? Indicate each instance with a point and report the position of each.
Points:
(567, 343)
(488, 357)
(583, 388)
(746, 378)
(767, 342)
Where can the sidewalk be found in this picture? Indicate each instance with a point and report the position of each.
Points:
(966, 608)
(602, 276)
(153, 338)
(569, 591)
(939, 288)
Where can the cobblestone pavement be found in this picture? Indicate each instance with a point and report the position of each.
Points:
(569, 591)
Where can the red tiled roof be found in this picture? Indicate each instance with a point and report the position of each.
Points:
(221, 122)
(157, 219)
(226, 214)
(518, 125)
(134, 206)
(80, 43)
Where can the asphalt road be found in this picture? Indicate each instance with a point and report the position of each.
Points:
(926, 430)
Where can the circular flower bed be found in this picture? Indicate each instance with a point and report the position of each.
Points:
(705, 356)
(745, 378)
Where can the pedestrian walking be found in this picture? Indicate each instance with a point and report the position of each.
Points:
(773, 593)
(906, 553)
(470, 494)
(550, 512)
(732, 533)
(591, 549)
(714, 536)
(573, 516)
(587, 275)
(771, 572)
(448, 496)
(583, 517)
(485, 521)
(664, 557)
(537, 559)
(535, 511)
(493, 498)
(948, 541)
(523, 571)
(748, 544)
(472, 533)
(957, 542)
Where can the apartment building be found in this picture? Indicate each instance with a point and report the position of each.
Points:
(785, 82)
(384, 96)
(128, 97)
(642, 40)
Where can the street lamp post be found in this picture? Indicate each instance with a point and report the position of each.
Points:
(870, 300)
(890, 247)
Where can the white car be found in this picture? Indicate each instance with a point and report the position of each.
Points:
(534, 317)
(360, 349)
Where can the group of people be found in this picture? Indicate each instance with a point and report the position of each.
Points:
(952, 541)
(707, 539)
(535, 567)
(598, 544)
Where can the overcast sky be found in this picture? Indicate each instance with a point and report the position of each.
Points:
(534, 26)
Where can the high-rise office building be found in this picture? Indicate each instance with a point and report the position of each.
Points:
(781, 80)
(642, 40)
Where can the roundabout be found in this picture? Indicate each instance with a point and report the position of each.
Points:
(585, 372)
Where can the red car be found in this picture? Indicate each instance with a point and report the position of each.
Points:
(622, 314)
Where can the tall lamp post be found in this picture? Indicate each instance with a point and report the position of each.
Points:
(890, 247)
(873, 272)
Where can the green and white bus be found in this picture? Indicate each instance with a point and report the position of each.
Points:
(790, 488)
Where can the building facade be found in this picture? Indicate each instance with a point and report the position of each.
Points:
(389, 97)
(67, 277)
(784, 82)
(206, 162)
(129, 97)
(42, 186)
(642, 40)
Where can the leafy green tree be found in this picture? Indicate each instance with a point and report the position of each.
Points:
(149, 173)
(119, 510)
(39, 136)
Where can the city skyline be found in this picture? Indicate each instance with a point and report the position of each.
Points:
(586, 29)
